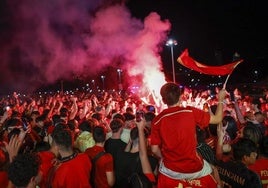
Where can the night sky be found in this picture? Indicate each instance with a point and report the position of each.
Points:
(42, 42)
(214, 30)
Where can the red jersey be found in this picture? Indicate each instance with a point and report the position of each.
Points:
(174, 131)
(47, 158)
(73, 173)
(103, 164)
(261, 168)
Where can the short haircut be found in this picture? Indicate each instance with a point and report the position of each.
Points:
(243, 147)
(116, 124)
(149, 116)
(63, 138)
(23, 168)
(99, 134)
(128, 116)
(119, 116)
(170, 93)
(252, 132)
(85, 126)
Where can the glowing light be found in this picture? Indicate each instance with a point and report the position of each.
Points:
(172, 43)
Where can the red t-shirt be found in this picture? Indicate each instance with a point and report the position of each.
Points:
(3, 179)
(261, 168)
(47, 159)
(103, 164)
(73, 173)
(174, 131)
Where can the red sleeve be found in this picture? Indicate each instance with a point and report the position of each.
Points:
(202, 118)
(151, 177)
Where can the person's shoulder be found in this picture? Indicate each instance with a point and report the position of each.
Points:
(108, 156)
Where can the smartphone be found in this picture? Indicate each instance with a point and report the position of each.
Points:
(7, 108)
(24, 124)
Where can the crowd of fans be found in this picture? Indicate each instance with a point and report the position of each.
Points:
(51, 140)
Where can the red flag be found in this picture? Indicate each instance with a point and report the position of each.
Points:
(190, 63)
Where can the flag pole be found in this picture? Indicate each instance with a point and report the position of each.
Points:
(226, 80)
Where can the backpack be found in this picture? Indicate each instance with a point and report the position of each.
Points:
(139, 180)
(93, 161)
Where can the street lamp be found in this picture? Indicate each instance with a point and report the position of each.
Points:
(93, 85)
(119, 71)
(102, 78)
(171, 43)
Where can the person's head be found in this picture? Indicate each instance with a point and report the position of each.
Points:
(62, 139)
(116, 125)
(170, 93)
(99, 134)
(100, 109)
(252, 132)
(259, 116)
(231, 124)
(134, 135)
(149, 116)
(129, 110)
(23, 170)
(98, 116)
(119, 116)
(85, 126)
(40, 121)
(245, 150)
(55, 119)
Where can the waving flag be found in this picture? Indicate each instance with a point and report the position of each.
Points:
(190, 63)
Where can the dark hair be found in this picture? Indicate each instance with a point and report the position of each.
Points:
(149, 116)
(129, 110)
(252, 132)
(71, 124)
(62, 137)
(170, 93)
(116, 124)
(63, 112)
(134, 133)
(99, 134)
(41, 146)
(232, 126)
(23, 168)
(97, 116)
(128, 116)
(85, 126)
(13, 122)
(243, 147)
(55, 118)
(119, 116)
(40, 118)
(13, 132)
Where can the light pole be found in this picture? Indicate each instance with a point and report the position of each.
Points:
(119, 71)
(172, 43)
(102, 78)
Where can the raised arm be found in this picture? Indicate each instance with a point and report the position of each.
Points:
(217, 118)
(146, 167)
